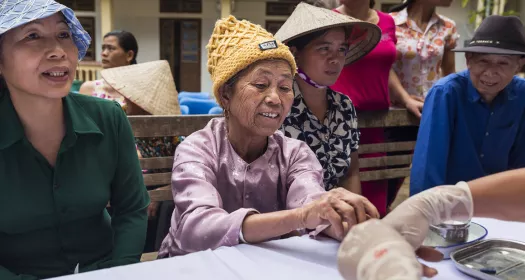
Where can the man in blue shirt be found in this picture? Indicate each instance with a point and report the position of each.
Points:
(473, 122)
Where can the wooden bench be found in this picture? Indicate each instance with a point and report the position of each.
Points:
(184, 125)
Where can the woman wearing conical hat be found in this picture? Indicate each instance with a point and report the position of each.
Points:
(321, 117)
(119, 48)
(240, 179)
(147, 89)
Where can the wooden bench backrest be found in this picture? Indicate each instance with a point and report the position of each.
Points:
(158, 126)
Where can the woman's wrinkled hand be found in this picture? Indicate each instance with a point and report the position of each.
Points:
(335, 208)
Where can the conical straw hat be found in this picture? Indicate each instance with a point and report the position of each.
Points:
(307, 19)
(150, 85)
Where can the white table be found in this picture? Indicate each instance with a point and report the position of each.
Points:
(295, 258)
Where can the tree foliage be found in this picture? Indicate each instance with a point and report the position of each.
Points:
(488, 4)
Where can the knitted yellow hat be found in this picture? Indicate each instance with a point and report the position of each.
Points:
(234, 45)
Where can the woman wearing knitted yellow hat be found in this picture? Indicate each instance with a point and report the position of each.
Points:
(240, 179)
(321, 117)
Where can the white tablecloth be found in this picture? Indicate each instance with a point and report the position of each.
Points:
(295, 258)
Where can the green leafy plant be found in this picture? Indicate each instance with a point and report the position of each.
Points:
(476, 16)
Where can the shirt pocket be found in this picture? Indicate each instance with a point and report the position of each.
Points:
(503, 136)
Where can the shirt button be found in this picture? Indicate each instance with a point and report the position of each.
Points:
(491, 113)
(481, 155)
(486, 134)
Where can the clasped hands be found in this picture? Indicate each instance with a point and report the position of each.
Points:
(338, 209)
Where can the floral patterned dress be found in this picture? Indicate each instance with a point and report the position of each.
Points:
(420, 52)
(100, 92)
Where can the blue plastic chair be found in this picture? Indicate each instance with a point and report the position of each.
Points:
(198, 106)
(215, 111)
(198, 95)
(184, 110)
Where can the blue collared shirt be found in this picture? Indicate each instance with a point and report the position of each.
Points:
(462, 138)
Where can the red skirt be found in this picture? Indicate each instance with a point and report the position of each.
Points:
(375, 191)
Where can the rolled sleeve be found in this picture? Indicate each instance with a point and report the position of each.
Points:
(200, 222)
(305, 178)
(429, 164)
(129, 199)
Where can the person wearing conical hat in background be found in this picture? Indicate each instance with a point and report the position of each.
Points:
(148, 89)
(321, 117)
(240, 179)
(119, 48)
(62, 156)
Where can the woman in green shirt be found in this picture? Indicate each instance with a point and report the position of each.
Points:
(62, 157)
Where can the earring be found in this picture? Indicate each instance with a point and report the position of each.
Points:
(226, 113)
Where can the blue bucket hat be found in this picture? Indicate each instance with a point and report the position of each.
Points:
(14, 13)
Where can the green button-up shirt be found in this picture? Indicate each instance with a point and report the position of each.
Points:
(53, 218)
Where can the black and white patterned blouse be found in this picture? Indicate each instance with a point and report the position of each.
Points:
(332, 141)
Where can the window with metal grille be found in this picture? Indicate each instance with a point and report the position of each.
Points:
(284, 8)
(89, 25)
(79, 5)
(181, 6)
(273, 26)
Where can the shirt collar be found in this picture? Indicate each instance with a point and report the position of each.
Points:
(81, 123)
(508, 93)
(76, 120)
(401, 18)
(301, 107)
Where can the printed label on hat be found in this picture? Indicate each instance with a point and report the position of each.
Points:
(268, 45)
(483, 42)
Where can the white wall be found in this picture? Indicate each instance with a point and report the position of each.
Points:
(465, 29)
(252, 11)
(142, 18)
